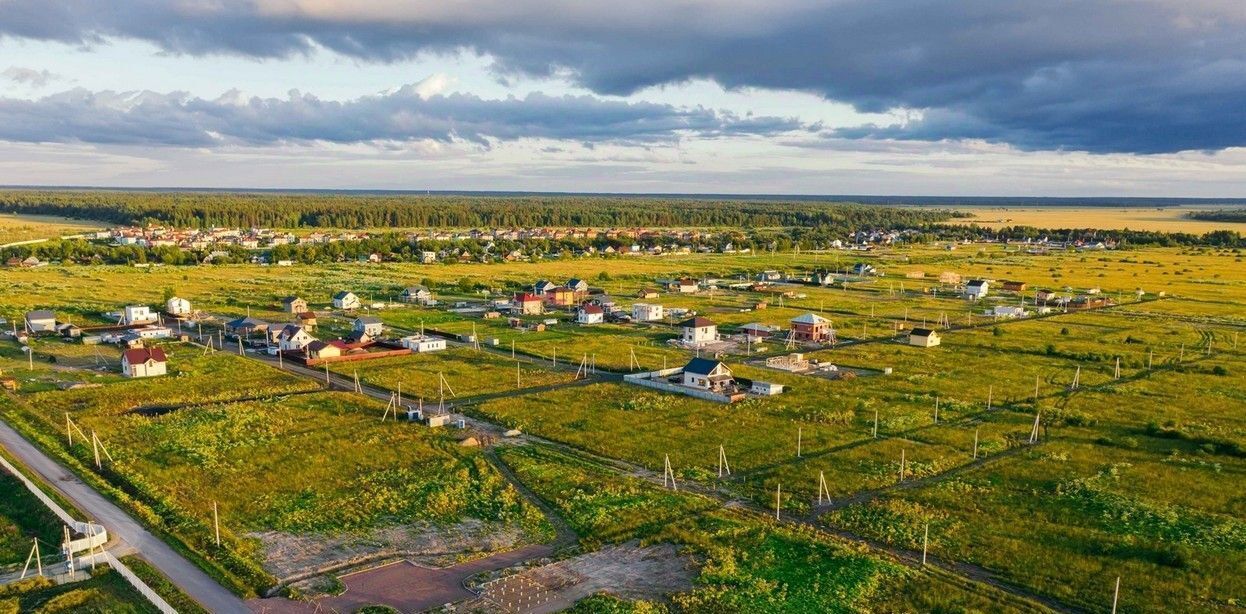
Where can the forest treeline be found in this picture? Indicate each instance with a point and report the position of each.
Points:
(356, 211)
(1220, 215)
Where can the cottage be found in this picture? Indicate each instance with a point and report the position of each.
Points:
(293, 304)
(685, 286)
(70, 330)
(543, 286)
(1088, 302)
(579, 286)
(924, 338)
(708, 374)
(41, 321)
(864, 268)
(765, 388)
(811, 328)
(369, 325)
(647, 312)
(757, 330)
(1044, 296)
(319, 350)
(645, 293)
(528, 304)
(1013, 286)
(428, 257)
(418, 294)
(307, 319)
(590, 314)
(422, 343)
(1007, 312)
(561, 296)
(144, 362)
(976, 289)
(243, 327)
(346, 301)
(138, 314)
(698, 331)
(177, 307)
(294, 338)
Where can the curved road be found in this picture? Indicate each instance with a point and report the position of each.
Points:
(192, 580)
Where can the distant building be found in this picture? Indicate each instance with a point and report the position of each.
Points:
(422, 343)
(976, 289)
(1013, 286)
(293, 304)
(708, 374)
(543, 286)
(346, 301)
(757, 330)
(561, 296)
(647, 312)
(698, 331)
(811, 328)
(579, 286)
(138, 314)
(41, 321)
(243, 327)
(864, 268)
(590, 314)
(318, 350)
(371, 326)
(924, 338)
(294, 338)
(144, 362)
(528, 304)
(177, 307)
(417, 294)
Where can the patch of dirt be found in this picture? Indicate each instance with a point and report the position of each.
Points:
(291, 557)
(627, 571)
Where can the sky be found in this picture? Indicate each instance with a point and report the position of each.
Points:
(922, 97)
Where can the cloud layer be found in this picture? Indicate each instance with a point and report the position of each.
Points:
(1140, 76)
(409, 113)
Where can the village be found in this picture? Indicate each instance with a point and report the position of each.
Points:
(800, 380)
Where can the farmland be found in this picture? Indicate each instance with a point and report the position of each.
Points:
(1132, 473)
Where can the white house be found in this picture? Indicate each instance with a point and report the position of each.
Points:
(590, 314)
(422, 343)
(976, 289)
(647, 312)
(698, 331)
(924, 338)
(1007, 312)
(345, 300)
(578, 286)
(144, 362)
(138, 314)
(294, 338)
(418, 294)
(320, 349)
(177, 307)
(766, 388)
(707, 374)
(371, 326)
(41, 321)
(154, 332)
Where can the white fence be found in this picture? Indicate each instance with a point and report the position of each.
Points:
(95, 537)
(657, 380)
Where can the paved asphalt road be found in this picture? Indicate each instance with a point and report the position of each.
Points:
(193, 581)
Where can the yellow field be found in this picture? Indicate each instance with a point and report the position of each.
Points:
(1169, 219)
(17, 228)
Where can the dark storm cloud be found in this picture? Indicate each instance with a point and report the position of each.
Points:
(1099, 75)
(181, 120)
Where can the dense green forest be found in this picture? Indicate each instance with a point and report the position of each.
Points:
(289, 210)
(1222, 215)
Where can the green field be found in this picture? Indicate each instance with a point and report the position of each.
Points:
(1137, 476)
